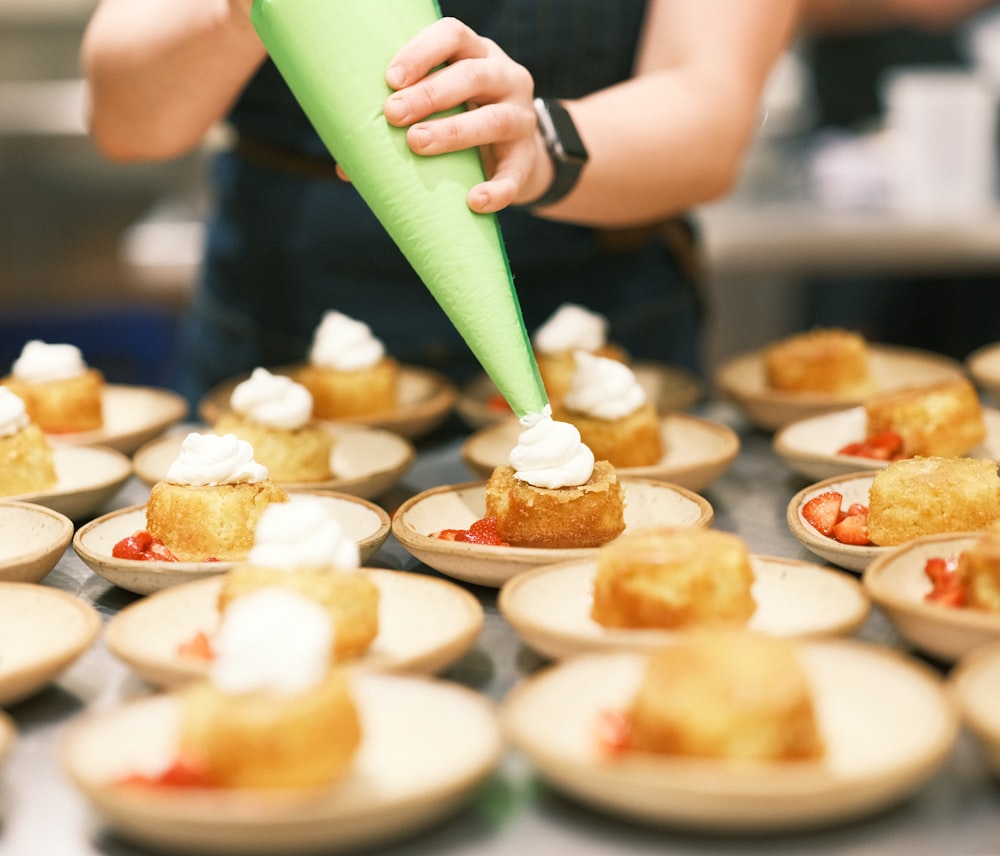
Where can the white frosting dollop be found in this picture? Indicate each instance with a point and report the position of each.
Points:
(273, 400)
(572, 327)
(272, 640)
(303, 532)
(213, 459)
(603, 388)
(343, 343)
(13, 416)
(549, 453)
(41, 362)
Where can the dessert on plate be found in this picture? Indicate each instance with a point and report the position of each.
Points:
(348, 372)
(61, 393)
(570, 328)
(274, 712)
(942, 419)
(609, 408)
(274, 414)
(827, 361)
(26, 461)
(673, 577)
(208, 505)
(301, 546)
(923, 496)
(726, 694)
(553, 493)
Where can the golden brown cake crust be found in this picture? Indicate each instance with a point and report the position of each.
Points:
(943, 419)
(632, 441)
(979, 573)
(257, 740)
(830, 361)
(338, 394)
(673, 577)
(198, 523)
(923, 496)
(26, 462)
(350, 597)
(63, 406)
(585, 516)
(290, 455)
(726, 695)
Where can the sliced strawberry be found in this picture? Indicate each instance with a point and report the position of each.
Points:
(888, 442)
(822, 512)
(852, 530)
(857, 509)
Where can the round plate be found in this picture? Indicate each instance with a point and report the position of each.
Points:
(697, 451)
(425, 624)
(33, 539)
(743, 380)
(669, 388)
(549, 607)
(364, 521)
(983, 366)
(975, 683)
(87, 477)
(425, 397)
(647, 503)
(368, 461)
(897, 583)
(809, 446)
(42, 631)
(133, 415)
(886, 722)
(426, 745)
(854, 487)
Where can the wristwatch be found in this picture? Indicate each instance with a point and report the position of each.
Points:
(565, 147)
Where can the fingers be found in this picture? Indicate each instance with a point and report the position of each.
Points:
(446, 40)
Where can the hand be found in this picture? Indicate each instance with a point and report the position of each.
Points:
(448, 65)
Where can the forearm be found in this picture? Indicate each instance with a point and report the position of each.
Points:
(161, 72)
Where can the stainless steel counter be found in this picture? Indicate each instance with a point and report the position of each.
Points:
(957, 812)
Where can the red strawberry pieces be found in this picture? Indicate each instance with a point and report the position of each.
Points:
(825, 513)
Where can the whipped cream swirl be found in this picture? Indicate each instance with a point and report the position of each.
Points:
(550, 453)
(273, 400)
(13, 416)
(603, 388)
(213, 459)
(572, 327)
(343, 343)
(41, 362)
(272, 640)
(303, 532)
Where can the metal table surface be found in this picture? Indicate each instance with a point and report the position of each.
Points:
(956, 812)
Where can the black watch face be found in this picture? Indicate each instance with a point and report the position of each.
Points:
(568, 138)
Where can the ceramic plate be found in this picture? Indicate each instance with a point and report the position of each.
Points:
(886, 722)
(670, 388)
(8, 734)
(975, 682)
(368, 461)
(854, 487)
(647, 503)
(425, 624)
(364, 521)
(425, 400)
(742, 379)
(33, 539)
(809, 446)
(983, 366)
(87, 477)
(549, 607)
(42, 631)
(426, 745)
(133, 415)
(697, 451)
(897, 583)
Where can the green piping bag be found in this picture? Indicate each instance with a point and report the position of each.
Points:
(333, 55)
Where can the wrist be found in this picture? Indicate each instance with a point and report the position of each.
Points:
(564, 149)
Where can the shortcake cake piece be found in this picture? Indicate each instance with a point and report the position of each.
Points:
(61, 393)
(831, 361)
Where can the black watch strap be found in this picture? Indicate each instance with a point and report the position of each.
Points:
(565, 148)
